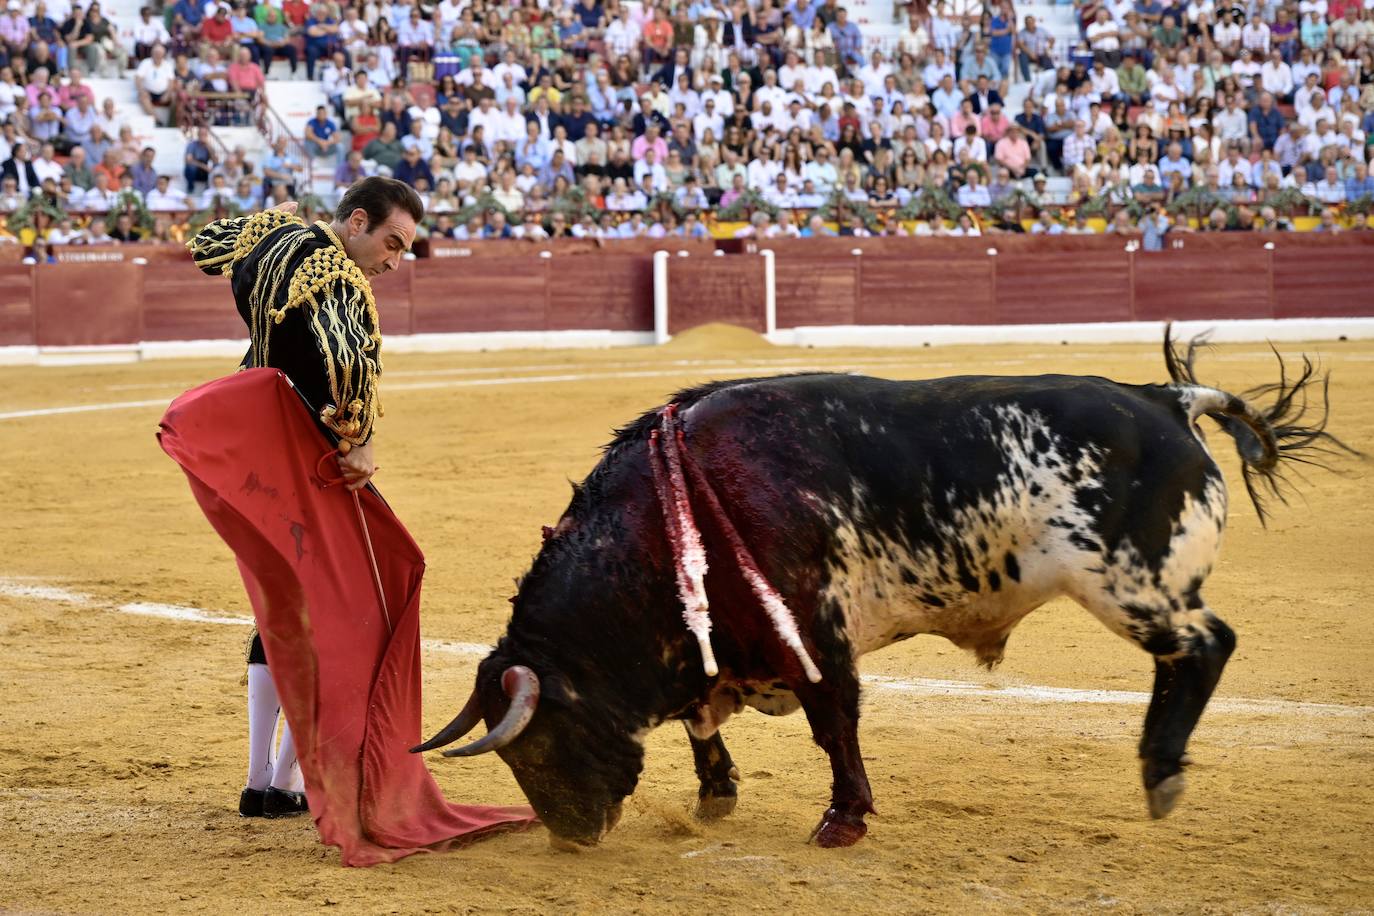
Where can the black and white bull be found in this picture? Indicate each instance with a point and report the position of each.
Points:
(878, 510)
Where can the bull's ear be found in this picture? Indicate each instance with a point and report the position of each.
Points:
(556, 688)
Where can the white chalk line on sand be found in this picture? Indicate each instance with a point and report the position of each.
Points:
(682, 367)
(37, 590)
(564, 378)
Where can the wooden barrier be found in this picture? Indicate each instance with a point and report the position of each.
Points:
(579, 285)
(702, 290)
(16, 306)
(84, 305)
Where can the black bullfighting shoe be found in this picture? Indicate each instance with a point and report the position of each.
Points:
(250, 803)
(281, 803)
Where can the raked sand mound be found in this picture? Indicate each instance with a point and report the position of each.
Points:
(717, 337)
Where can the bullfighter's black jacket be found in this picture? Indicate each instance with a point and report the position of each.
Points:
(309, 309)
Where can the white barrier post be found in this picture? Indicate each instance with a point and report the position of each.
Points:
(661, 334)
(770, 294)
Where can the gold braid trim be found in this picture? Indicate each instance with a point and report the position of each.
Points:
(225, 242)
(341, 312)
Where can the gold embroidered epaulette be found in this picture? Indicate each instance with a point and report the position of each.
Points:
(314, 279)
(216, 246)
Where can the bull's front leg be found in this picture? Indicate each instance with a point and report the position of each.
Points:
(719, 777)
(832, 708)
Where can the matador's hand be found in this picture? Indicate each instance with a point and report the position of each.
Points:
(357, 466)
(286, 206)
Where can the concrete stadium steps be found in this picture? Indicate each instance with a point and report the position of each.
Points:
(294, 101)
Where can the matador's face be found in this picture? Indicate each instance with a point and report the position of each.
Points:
(381, 249)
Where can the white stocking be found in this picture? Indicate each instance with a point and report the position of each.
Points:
(262, 723)
(286, 771)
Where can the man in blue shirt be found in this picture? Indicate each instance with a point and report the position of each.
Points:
(803, 12)
(1174, 161)
(143, 173)
(849, 41)
(947, 98)
(199, 160)
(1266, 122)
(321, 135)
(188, 13)
(1360, 184)
(1001, 38)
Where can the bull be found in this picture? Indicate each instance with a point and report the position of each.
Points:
(840, 514)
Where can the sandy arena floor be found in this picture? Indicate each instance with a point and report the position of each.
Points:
(122, 736)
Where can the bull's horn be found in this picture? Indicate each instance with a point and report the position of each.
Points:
(521, 685)
(463, 723)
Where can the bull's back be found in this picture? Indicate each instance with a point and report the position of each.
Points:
(953, 505)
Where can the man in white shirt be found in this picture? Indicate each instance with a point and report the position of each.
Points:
(766, 118)
(1276, 77)
(447, 14)
(724, 101)
(1317, 110)
(796, 116)
(708, 120)
(1254, 37)
(1246, 69)
(791, 73)
(977, 148)
(779, 195)
(484, 116)
(469, 173)
(508, 124)
(1234, 165)
(149, 31)
(153, 78)
(469, 76)
(649, 167)
(770, 91)
(45, 164)
(622, 199)
(820, 73)
(1104, 81)
(874, 73)
(100, 198)
(510, 65)
(622, 36)
(1231, 122)
(1226, 33)
(1320, 138)
(763, 172)
(1105, 38)
(821, 173)
(165, 199)
(1330, 190)
(218, 190)
(974, 194)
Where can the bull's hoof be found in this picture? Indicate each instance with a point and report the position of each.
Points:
(836, 830)
(1165, 795)
(712, 807)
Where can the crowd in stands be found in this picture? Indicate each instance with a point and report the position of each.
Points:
(606, 118)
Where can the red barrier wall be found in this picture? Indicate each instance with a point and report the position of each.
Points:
(1034, 280)
(16, 306)
(181, 303)
(82, 305)
(508, 286)
(727, 289)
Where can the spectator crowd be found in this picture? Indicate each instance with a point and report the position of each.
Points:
(605, 118)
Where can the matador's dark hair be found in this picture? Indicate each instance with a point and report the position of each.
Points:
(379, 196)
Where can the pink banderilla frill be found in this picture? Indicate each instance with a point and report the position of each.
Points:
(668, 457)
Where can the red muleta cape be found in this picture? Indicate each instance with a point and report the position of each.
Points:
(349, 688)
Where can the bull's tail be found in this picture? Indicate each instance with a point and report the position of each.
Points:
(1273, 424)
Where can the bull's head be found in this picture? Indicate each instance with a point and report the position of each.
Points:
(575, 767)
